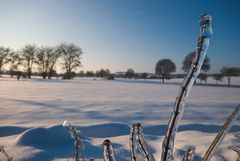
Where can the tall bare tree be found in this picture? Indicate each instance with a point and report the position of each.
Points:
(42, 59)
(129, 73)
(4, 53)
(71, 55)
(28, 56)
(218, 77)
(188, 61)
(228, 72)
(164, 67)
(56, 54)
(14, 61)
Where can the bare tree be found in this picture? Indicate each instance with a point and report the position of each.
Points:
(81, 73)
(188, 61)
(217, 77)
(71, 55)
(4, 53)
(56, 54)
(46, 59)
(43, 57)
(164, 67)
(15, 61)
(103, 73)
(228, 72)
(144, 75)
(130, 73)
(89, 74)
(203, 77)
(28, 57)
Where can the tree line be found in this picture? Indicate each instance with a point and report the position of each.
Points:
(165, 67)
(45, 58)
(68, 56)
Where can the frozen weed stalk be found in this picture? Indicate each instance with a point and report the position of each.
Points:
(201, 49)
(108, 152)
(6, 157)
(189, 154)
(76, 139)
(221, 134)
(139, 149)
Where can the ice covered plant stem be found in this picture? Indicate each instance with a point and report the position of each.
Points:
(237, 150)
(221, 134)
(189, 154)
(138, 145)
(108, 152)
(76, 139)
(201, 49)
(8, 158)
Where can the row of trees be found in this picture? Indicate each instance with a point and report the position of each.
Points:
(105, 73)
(165, 67)
(45, 58)
(69, 55)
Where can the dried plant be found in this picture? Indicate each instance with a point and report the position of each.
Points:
(189, 154)
(221, 134)
(202, 46)
(7, 157)
(138, 145)
(139, 149)
(108, 151)
(76, 139)
(236, 148)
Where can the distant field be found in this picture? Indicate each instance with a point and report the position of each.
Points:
(106, 109)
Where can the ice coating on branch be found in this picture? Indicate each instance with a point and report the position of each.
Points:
(221, 134)
(139, 148)
(206, 28)
(108, 152)
(178, 109)
(75, 136)
(189, 154)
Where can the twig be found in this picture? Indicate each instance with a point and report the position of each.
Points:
(189, 154)
(108, 152)
(221, 134)
(202, 46)
(76, 139)
(5, 154)
(138, 143)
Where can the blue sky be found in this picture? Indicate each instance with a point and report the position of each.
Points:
(118, 34)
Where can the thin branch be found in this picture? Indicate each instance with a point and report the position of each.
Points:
(8, 158)
(108, 151)
(221, 134)
(202, 46)
(189, 154)
(138, 143)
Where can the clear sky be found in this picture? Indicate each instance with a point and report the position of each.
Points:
(118, 34)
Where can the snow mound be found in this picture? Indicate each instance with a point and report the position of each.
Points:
(11, 130)
(44, 137)
(105, 130)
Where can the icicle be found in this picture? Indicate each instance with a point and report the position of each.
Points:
(221, 134)
(139, 148)
(108, 152)
(202, 46)
(189, 154)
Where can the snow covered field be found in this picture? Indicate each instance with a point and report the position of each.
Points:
(32, 111)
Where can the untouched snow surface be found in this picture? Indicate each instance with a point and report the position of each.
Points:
(32, 111)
